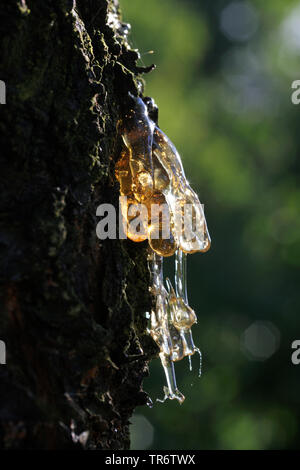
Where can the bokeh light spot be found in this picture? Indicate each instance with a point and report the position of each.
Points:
(239, 21)
(260, 340)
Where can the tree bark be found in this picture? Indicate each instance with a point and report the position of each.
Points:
(72, 306)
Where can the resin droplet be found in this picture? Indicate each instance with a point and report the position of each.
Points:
(137, 129)
(161, 329)
(190, 229)
(171, 391)
(161, 239)
(158, 204)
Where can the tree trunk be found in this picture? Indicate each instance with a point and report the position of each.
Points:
(72, 306)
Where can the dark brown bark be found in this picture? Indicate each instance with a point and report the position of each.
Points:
(72, 306)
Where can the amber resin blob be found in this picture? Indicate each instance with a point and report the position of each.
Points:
(159, 205)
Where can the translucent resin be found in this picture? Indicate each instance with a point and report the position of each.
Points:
(161, 207)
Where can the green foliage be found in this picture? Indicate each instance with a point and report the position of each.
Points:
(226, 105)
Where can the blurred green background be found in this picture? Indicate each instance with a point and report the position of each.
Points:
(223, 87)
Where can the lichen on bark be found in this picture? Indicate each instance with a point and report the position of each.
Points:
(72, 306)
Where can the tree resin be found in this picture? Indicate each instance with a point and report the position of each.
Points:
(159, 205)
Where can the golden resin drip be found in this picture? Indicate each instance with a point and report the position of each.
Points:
(161, 203)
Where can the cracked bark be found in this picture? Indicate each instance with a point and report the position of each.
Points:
(72, 306)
